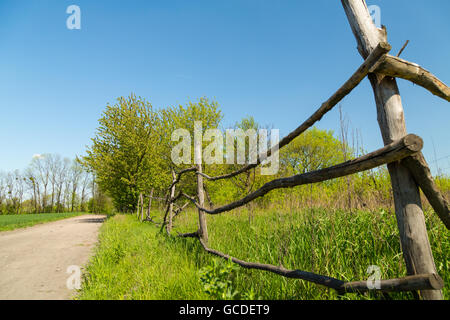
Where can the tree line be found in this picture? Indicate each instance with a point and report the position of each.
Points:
(49, 184)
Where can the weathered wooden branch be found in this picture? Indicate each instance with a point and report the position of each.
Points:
(422, 175)
(158, 198)
(188, 235)
(150, 219)
(180, 209)
(399, 68)
(169, 202)
(402, 49)
(180, 174)
(172, 194)
(409, 283)
(395, 151)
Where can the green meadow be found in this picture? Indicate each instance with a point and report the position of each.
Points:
(135, 260)
(11, 222)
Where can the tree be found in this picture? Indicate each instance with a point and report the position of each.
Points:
(313, 150)
(246, 181)
(76, 171)
(40, 168)
(124, 149)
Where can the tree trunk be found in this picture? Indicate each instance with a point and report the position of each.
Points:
(202, 227)
(410, 218)
(172, 195)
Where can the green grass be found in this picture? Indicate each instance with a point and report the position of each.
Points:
(11, 222)
(135, 261)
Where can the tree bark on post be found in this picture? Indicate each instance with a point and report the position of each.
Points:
(408, 208)
(202, 230)
(202, 227)
(172, 194)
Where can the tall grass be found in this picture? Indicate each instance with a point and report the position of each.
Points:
(135, 261)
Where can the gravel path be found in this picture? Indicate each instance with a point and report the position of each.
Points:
(34, 261)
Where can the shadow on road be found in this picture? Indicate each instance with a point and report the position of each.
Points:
(92, 220)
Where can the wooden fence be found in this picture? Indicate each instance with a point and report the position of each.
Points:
(402, 154)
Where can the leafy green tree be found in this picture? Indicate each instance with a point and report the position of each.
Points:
(184, 117)
(313, 150)
(131, 151)
(124, 151)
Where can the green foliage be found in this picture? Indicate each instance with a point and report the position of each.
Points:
(313, 150)
(131, 151)
(217, 280)
(122, 152)
(134, 261)
(184, 117)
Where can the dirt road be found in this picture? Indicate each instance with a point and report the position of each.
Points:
(34, 261)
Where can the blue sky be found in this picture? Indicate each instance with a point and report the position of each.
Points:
(275, 60)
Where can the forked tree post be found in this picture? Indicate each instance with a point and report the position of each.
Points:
(408, 208)
(142, 207)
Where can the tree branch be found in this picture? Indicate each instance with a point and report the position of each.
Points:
(399, 68)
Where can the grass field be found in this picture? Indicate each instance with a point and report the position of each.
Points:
(135, 261)
(10, 222)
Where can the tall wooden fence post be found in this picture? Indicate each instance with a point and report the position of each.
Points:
(202, 227)
(172, 194)
(408, 208)
(202, 230)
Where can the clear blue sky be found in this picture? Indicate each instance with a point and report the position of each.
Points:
(275, 60)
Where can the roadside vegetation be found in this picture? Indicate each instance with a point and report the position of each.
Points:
(135, 261)
(11, 222)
